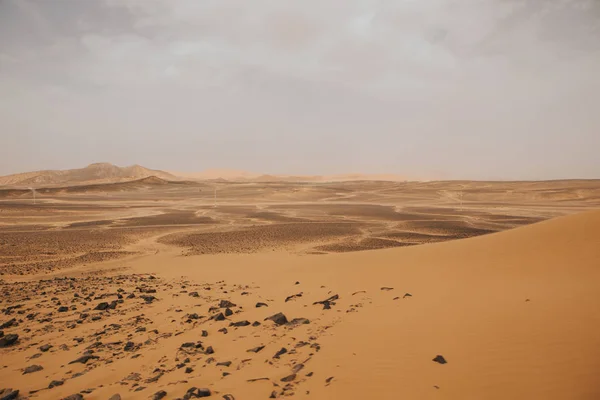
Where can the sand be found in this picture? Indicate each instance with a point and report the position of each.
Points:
(513, 312)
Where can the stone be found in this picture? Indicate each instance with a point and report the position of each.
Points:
(115, 397)
(195, 393)
(256, 349)
(224, 364)
(84, 359)
(102, 306)
(440, 359)
(54, 384)
(288, 378)
(258, 305)
(279, 319)
(209, 350)
(9, 340)
(63, 309)
(280, 352)
(74, 397)
(204, 333)
(189, 370)
(228, 312)
(226, 304)
(240, 323)
(9, 324)
(8, 394)
(159, 395)
(32, 368)
(407, 295)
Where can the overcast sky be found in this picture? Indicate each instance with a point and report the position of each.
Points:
(478, 89)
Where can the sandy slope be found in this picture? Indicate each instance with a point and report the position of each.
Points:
(468, 304)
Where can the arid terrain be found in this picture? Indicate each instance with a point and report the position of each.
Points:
(154, 288)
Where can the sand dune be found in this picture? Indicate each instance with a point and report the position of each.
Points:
(513, 313)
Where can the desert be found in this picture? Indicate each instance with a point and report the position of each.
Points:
(151, 288)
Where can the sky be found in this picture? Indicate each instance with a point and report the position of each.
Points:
(435, 89)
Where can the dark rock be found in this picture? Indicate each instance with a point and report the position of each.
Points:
(387, 288)
(148, 299)
(328, 380)
(9, 340)
(9, 324)
(223, 330)
(258, 305)
(84, 359)
(256, 323)
(63, 309)
(9, 394)
(113, 305)
(278, 318)
(194, 294)
(129, 346)
(240, 323)
(209, 350)
(407, 295)
(440, 359)
(189, 370)
(32, 368)
(115, 397)
(273, 394)
(256, 349)
(74, 397)
(218, 317)
(228, 312)
(102, 306)
(329, 300)
(224, 364)
(299, 321)
(228, 397)
(292, 297)
(159, 395)
(195, 393)
(288, 378)
(204, 333)
(226, 304)
(54, 384)
(280, 352)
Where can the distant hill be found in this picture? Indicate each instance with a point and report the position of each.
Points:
(92, 174)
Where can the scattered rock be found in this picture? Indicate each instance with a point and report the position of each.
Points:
(8, 394)
(292, 297)
(189, 370)
(273, 394)
(279, 319)
(288, 378)
(54, 384)
(328, 380)
(84, 359)
(224, 364)
(299, 321)
(102, 306)
(218, 317)
(228, 397)
(440, 359)
(209, 350)
(240, 323)
(32, 368)
(9, 324)
(195, 393)
(115, 397)
(256, 349)
(258, 305)
(280, 352)
(159, 395)
(387, 288)
(204, 333)
(407, 295)
(226, 304)
(74, 397)
(9, 340)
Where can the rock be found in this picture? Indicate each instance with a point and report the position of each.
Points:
(189, 370)
(328, 380)
(9, 340)
(407, 295)
(224, 364)
(129, 346)
(218, 317)
(187, 345)
(256, 349)
(240, 323)
(148, 299)
(226, 304)
(8, 394)
(297, 368)
(159, 395)
(9, 324)
(387, 288)
(258, 305)
(209, 350)
(54, 384)
(204, 333)
(228, 397)
(63, 309)
(194, 294)
(223, 330)
(299, 321)
(440, 359)
(115, 397)
(280, 352)
(273, 394)
(102, 306)
(328, 300)
(74, 397)
(256, 323)
(84, 359)
(113, 305)
(279, 319)
(195, 393)
(228, 312)
(32, 368)
(288, 378)
(292, 297)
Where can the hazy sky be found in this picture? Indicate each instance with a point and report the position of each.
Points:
(478, 89)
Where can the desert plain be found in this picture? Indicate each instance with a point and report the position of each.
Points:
(358, 289)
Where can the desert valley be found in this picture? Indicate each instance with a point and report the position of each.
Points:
(130, 283)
